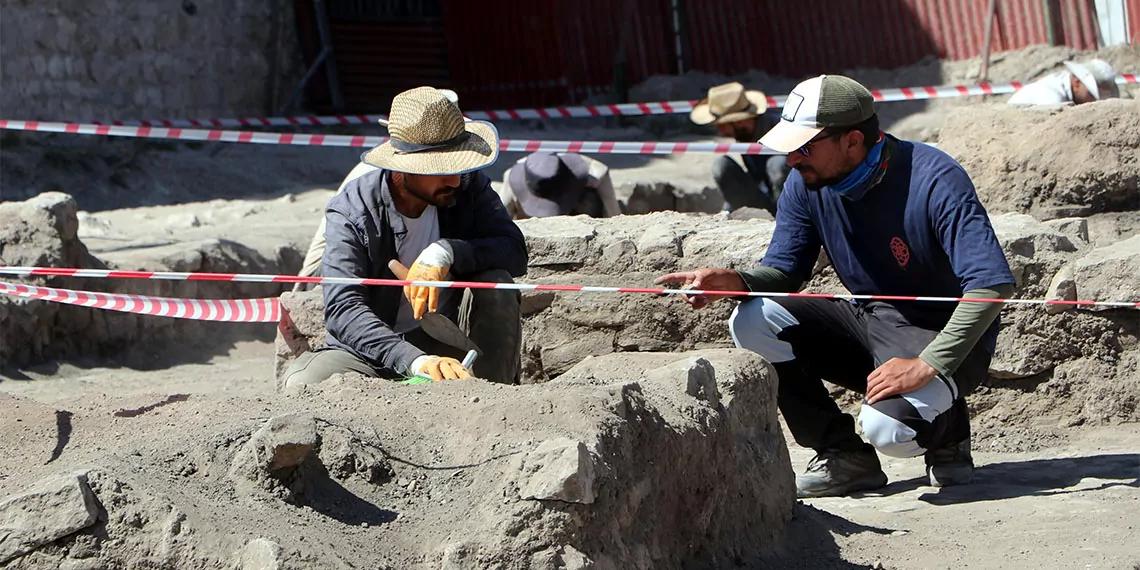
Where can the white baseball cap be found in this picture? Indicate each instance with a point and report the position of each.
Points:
(1097, 76)
(816, 104)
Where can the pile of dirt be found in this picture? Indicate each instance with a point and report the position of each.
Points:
(1074, 161)
(579, 473)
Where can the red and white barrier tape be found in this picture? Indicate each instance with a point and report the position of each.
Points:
(223, 310)
(625, 109)
(585, 147)
(256, 278)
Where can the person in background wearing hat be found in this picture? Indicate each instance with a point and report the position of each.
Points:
(545, 184)
(896, 218)
(739, 114)
(1078, 83)
(311, 266)
(426, 205)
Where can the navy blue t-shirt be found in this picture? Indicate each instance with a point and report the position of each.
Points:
(920, 232)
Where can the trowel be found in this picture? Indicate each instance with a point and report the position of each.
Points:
(437, 325)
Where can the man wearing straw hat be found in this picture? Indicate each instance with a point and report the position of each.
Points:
(739, 113)
(897, 219)
(427, 206)
(311, 266)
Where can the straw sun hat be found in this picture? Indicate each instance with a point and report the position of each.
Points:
(430, 136)
(728, 103)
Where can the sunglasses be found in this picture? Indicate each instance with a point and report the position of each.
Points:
(806, 149)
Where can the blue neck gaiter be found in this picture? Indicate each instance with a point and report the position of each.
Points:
(856, 185)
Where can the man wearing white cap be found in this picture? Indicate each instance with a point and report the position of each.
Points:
(427, 206)
(896, 218)
(1078, 83)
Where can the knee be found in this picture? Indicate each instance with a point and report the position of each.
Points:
(755, 324)
(747, 320)
(889, 435)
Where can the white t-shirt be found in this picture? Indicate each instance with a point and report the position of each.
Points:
(1053, 89)
(422, 232)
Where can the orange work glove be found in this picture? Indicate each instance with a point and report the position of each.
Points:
(431, 265)
(440, 368)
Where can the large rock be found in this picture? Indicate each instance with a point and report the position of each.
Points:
(258, 554)
(1110, 273)
(1073, 162)
(558, 470)
(274, 452)
(52, 509)
(301, 329)
(1035, 250)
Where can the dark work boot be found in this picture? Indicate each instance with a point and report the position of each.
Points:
(950, 465)
(836, 472)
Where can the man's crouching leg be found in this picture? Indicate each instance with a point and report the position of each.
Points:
(312, 368)
(492, 319)
(932, 421)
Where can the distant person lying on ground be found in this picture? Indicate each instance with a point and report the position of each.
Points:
(896, 218)
(545, 184)
(739, 114)
(427, 206)
(1078, 83)
(312, 264)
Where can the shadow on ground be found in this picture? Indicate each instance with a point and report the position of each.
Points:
(1042, 477)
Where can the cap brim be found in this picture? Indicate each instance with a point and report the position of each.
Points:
(480, 150)
(787, 136)
(1085, 76)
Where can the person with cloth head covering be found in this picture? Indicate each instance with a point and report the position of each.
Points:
(739, 113)
(1078, 83)
(545, 184)
(426, 205)
(897, 218)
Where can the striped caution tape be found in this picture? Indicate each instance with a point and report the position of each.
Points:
(585, 147)
(260, 278)
(222, 310)
(583, 111)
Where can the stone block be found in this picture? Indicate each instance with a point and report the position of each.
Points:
(52, 509)
(559, 470)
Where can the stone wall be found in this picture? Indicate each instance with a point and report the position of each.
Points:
(100, 60)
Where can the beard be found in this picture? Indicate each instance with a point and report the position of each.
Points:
(441, 198)
(819, 182)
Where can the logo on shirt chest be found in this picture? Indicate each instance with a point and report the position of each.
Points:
(901, 252)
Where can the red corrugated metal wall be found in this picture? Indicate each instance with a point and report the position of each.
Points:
(1134, 21)
(521, 53)
(549, 52)
(815, 36)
